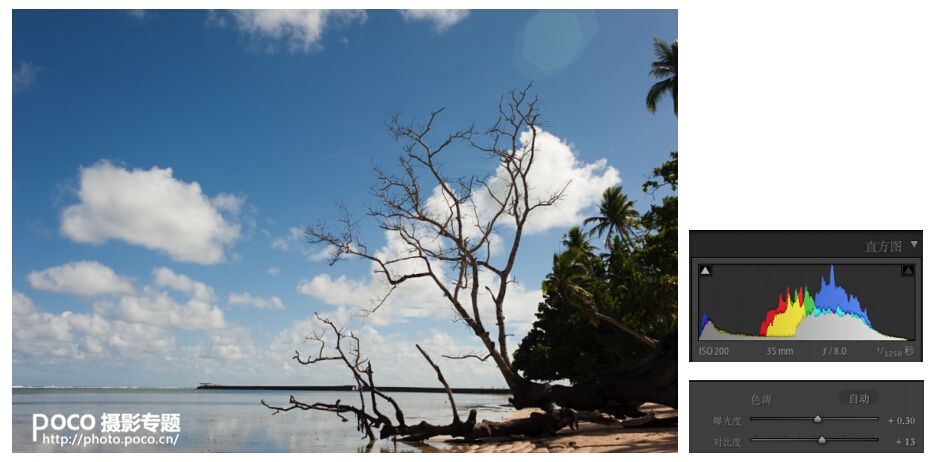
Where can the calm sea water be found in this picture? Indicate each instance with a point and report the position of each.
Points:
(228, 420)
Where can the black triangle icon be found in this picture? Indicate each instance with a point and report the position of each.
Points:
(908, 271)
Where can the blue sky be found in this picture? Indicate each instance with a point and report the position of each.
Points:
(162, 162)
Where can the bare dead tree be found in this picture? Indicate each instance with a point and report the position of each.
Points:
(345, 348)
(362, 374)
(449, 226)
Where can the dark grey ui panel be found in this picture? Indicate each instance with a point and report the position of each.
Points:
(806, 416)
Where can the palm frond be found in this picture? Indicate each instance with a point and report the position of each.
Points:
(656, 94)
(666, 67)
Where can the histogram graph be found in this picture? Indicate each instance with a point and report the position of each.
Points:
(817, 296)
(867, 302)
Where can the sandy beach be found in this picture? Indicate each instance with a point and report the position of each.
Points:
(588, 438)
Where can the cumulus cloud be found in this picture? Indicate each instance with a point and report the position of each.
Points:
(156, 308)
(69, 337)
(556, 168)
(442, 20)
(152, 209)
(136, 340)
(113, 340)
(165, 277)
(337, 292)
(90, 324)
(224, 346)
(25, 76)
(245, 298)
(298, 30)
(33, 326)
(290, 241)
(84, 278)
(228, 203)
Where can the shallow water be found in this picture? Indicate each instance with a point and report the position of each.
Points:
(222, 420)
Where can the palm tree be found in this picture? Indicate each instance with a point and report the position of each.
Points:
(617, 215)
(577, 240)
(666, 67)
(572, 280)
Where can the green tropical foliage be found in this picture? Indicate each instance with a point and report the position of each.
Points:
(617, 215)
(603, 307)
(666, 67)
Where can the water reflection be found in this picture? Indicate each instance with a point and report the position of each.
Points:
(235, 421)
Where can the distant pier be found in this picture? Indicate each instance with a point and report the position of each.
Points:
(215, 386)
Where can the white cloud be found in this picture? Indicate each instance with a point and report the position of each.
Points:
(25, 76)
(158, 309)
(228, 203)
(555, 167)
(136, 340)
(290, 241)
(90, 324)
(325, 253)
(116, 331)
(233, 344)
(245, 298)
(418, 298)
(152, 209)
(165, 277)
(339, 292)
(55, 339)
(274, 270)
(96, 340)
(32, 327)
(295, 336)
(299, 30)
(295, 241)
(84, 278)
(413, 299)
(441, 19)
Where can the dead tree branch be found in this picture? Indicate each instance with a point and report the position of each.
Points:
(446, 228)
(369, 417)
(443, 382)
(461, 355)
